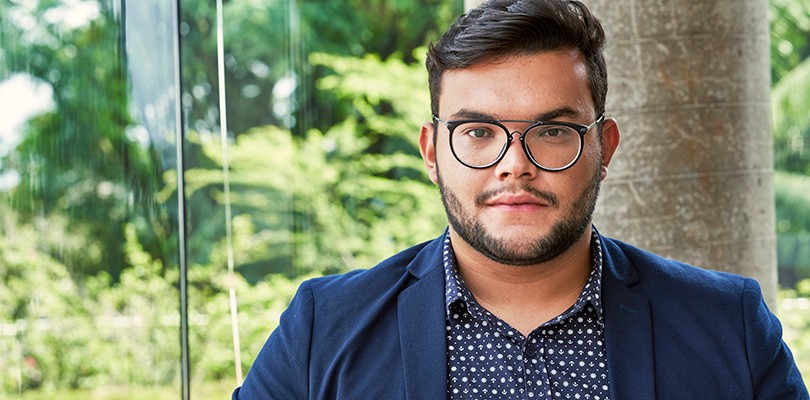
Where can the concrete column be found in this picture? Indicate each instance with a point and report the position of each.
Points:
(693, 178)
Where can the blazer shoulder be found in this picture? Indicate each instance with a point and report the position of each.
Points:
(398, 270)
(633, 265)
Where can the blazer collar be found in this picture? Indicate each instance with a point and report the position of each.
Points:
(628, 327)
(429, 258)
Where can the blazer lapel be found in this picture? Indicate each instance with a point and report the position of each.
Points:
(422, 327)
(628, 329)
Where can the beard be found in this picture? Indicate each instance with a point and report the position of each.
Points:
(564, 233)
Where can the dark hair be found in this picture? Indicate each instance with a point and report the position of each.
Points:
(501, 28)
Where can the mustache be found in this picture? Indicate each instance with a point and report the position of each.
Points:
(549, 197)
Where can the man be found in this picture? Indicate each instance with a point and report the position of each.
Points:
(521, 298)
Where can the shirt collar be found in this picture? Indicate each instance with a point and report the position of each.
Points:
(456, 291)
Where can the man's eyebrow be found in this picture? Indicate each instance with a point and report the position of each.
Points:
(550, 115)
(470, 114)
(557, 113)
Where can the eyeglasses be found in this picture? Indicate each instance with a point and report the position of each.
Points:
(550, 145)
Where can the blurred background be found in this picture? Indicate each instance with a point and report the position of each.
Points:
(141, 204)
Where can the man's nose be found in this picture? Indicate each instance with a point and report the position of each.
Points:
(516, 162)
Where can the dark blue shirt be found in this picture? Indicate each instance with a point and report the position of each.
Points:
(562, 359)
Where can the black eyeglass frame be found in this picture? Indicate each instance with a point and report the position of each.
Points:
(581, 130)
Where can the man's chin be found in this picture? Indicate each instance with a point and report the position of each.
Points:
(518, 237)
(516, 249)
(522, 246)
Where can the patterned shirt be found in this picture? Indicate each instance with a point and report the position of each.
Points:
(562, 359)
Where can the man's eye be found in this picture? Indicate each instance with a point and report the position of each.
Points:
(479, 133)
(556, 133)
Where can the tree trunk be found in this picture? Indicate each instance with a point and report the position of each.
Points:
(693, 176)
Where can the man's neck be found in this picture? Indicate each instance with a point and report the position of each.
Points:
(525, 296)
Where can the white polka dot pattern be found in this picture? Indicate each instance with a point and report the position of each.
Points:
(562, 359)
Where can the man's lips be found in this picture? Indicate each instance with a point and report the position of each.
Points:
(519, 196)
(517, 200)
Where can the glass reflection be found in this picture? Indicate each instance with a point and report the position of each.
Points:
(323, 99)
(88, 296)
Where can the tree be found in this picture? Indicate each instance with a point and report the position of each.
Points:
(268, 76)
(78, 163)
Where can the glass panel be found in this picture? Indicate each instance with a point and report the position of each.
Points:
(318, 173)
(88, 264)
(324, 103)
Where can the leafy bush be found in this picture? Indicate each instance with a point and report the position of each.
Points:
(126, 333)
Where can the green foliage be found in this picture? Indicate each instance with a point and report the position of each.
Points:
(267, 44)
(77, 164)
(790, 65)
(382, 27)
(793, 225)
(200, 390)
(71, 336)
(789, 27)
(325, 176)
(330, 200)
(794, 313)
(790, 100)
(259, 50)
(260, 306)
(792, 203)
(32, 286)
(126, 333)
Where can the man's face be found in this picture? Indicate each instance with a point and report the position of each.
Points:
(515, 213)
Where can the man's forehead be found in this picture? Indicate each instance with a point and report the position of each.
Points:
(572, 54)
(541, 81)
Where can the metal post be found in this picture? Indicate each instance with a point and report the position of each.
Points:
(185, 365)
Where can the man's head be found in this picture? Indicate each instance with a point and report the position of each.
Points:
(493, 76)
(503, 28)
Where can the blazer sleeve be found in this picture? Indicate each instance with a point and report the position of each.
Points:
(281, 370)
(773, 372)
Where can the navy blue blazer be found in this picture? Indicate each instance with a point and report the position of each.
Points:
(672, 331)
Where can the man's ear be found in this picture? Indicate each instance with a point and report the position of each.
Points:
(428, 150)
(610, 141)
